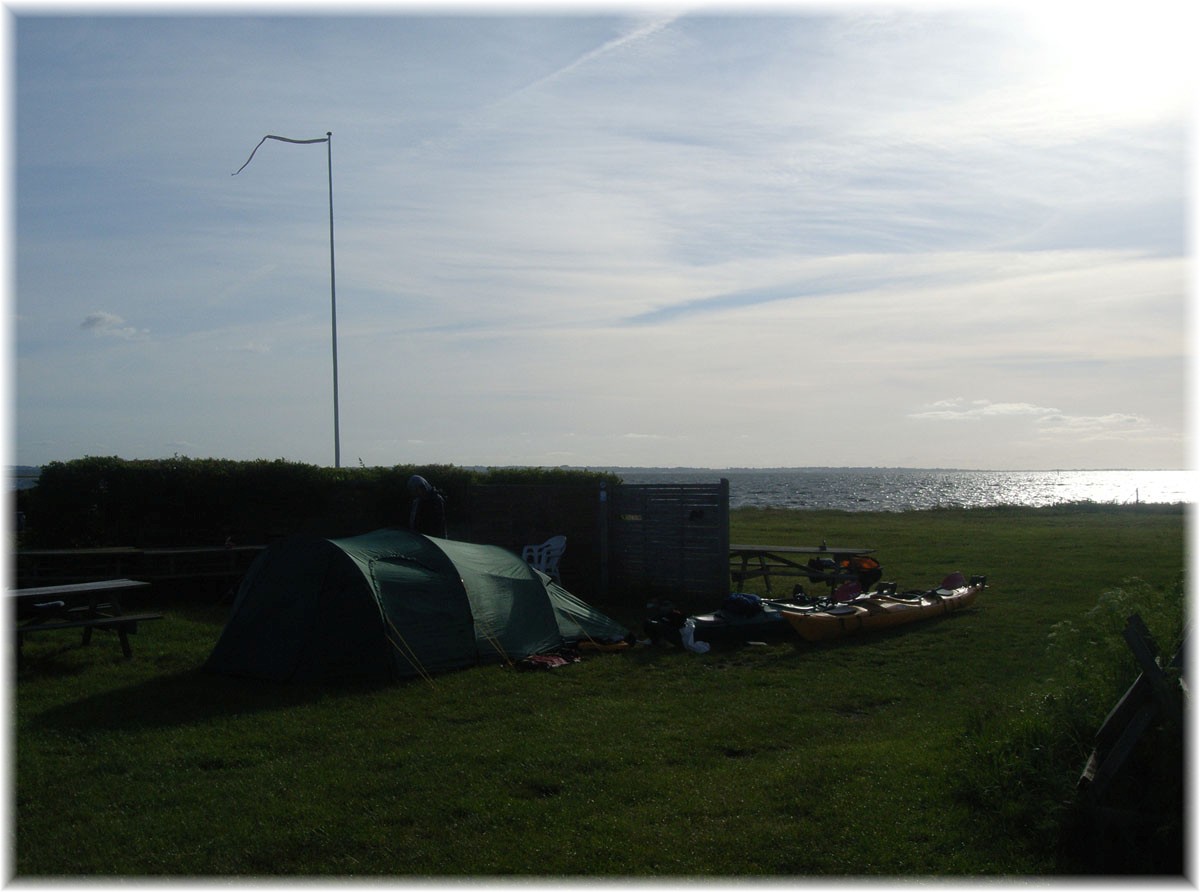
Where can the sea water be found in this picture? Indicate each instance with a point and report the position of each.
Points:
(900, 489)
(908, 489)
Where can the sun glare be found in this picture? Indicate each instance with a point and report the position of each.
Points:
(1121, 60)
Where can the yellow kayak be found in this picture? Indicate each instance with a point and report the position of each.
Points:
(869, 613)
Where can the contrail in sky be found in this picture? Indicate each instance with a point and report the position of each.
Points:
(476, 119)
(641, 32)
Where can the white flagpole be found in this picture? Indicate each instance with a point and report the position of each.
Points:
(337, 439)
(328, 140)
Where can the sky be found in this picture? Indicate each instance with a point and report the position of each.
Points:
(806, 235)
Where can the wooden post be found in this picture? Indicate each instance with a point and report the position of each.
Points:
(602, 519)
(1151, 696)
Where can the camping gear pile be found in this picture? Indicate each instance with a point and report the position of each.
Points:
(741, 617)
(861, 568)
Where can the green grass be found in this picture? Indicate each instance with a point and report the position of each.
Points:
(839, 760)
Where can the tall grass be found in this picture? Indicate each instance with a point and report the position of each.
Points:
(849, 759)
(1024, 764)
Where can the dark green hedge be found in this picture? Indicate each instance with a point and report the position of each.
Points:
(95, 502)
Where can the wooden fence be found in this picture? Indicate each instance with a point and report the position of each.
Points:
(625, 544)
(669, 540)
(515, 515)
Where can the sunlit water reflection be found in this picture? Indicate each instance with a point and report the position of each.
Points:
(893, 489)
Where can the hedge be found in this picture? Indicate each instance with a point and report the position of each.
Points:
(99, 502)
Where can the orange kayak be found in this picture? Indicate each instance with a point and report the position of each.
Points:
(870, 613)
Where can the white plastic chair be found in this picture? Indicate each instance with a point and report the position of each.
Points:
(545, 557)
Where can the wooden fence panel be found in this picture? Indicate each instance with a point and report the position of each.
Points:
(670, 540)
(625, 545)
(515, 515)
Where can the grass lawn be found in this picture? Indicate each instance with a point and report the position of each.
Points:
(837, 760)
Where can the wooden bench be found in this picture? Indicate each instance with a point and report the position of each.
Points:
(124, 626)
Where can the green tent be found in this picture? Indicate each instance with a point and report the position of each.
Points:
(394, 604)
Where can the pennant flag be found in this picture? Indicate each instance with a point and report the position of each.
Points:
(281, 139)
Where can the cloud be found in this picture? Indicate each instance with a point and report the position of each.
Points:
(1115, 426)
(1051, 423)
(958, 409)
(731, 300)
(110, 325)
(247, 347)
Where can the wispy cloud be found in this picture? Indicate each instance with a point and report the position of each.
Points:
(958, 409)
(110, 325)
(1050, 423)
(246, 347)
(1116, 427)
(739, 299)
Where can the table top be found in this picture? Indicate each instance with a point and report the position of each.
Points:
(202, 549)
(106, 550)
(130, 550)
(77, 588)
(797, 549)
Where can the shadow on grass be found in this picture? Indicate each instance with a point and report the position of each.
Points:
(190, 697)
(194, 696)
(47, 663)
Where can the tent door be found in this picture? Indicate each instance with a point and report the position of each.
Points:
(427, 616)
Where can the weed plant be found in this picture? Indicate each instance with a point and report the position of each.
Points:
(917, 752)
(1024, 764)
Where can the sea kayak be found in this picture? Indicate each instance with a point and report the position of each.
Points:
(872, 612)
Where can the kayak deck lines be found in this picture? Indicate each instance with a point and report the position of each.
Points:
(882, 610)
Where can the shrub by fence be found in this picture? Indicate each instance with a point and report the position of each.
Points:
(98, 502)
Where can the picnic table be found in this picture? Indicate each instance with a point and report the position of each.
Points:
(821, 563)
(68, 565)
(83, 605)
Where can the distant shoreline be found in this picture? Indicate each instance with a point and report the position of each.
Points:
(786, 469)
(34, 471)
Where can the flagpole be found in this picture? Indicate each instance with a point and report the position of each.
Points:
(337, 437)
(328, 140)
